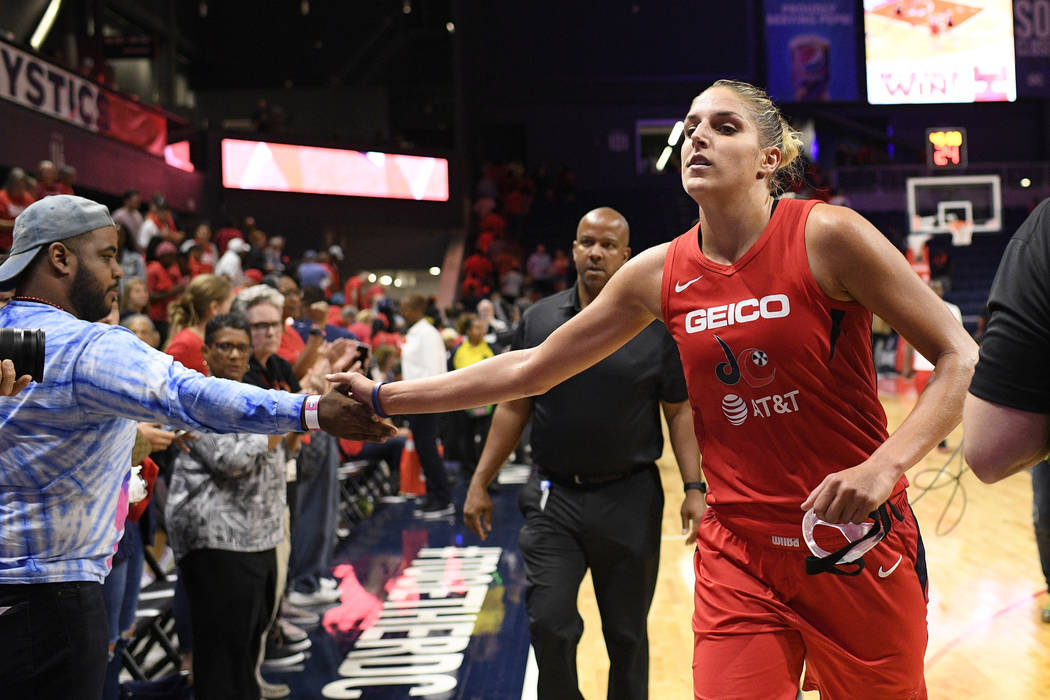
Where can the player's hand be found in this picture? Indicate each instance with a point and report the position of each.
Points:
(358, 386)
(9, 384)
(850, 495)
(693, 507)
(477, 510)
(344, 417)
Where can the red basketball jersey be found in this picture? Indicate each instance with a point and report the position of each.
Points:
(780, 375)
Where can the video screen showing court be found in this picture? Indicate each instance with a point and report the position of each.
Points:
(936, 51)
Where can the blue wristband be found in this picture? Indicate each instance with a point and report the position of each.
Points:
(375, 401)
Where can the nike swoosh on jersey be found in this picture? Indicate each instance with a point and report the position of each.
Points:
(884, 574)
(679, 287)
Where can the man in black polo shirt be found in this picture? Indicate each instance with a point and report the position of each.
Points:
(1006, 418)
(596, 501)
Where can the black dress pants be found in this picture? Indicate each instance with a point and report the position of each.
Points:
(53, 640)
(425, 436)
(614, 530)
(231, 601)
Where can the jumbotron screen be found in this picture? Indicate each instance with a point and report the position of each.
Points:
(281, 167)
(939, 51)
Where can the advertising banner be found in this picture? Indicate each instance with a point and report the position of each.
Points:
(1032, 46)
(939, 51)
(811, 50)
(32, 82)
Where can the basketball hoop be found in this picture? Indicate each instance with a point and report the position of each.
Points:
(962, 231)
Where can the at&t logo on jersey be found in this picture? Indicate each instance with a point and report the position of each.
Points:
(754, 367)
(746, 311)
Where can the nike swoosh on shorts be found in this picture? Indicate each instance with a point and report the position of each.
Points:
(884, 574)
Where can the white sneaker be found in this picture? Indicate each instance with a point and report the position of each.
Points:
(321, 596)
(329, 584)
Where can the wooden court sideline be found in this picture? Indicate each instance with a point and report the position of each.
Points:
(986, 590)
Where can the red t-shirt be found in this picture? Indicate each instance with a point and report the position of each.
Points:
(186, 347)
(780, 375)
(9, 209)
(161, 279)
(352, 291)
(292, 345)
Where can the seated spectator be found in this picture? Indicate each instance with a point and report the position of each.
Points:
(227, 233)
(134, 298)
(67, 180)
(129, 216)
(362, 325)
(46, 180)
(225, 518)
(313, 314)
(132, 262)
(255, 258)
(166, 284)
(276, 259)
(209, 253)
(13, 199)
(206, 297)
(229, 264)
(143, 328)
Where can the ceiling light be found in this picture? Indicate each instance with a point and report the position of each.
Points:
(45, 24)
(676, 133)
(1025, 182)
(385, 280)
(662, 162)
(372, 277)
(435, 271)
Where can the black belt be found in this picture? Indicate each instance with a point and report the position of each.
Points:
(583, 480)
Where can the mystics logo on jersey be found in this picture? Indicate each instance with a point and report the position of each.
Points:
(754, 368)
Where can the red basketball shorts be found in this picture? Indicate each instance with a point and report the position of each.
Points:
(758, 616)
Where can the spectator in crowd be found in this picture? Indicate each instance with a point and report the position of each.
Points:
(134, 298)
(229, 264)
(255, 258)
(473, 423)
(384, 364)
(67, 180)
(166, 284)
(190, 259)
(560, 269)
(46, 180)
(362, 325)
(209, 257)
(159, 223)
(227, 233)
(331, 259)
(314, 273)
(14, 198)
(129, 215)
(132, 262)
(206, 297)
(511, 282)
(276, 259)
(494, 327)
(313, 313)
(424, 356)
(143, 328)
(225, 518)
(77, 427)
(479, 266)
(299, 352)
(539, 267)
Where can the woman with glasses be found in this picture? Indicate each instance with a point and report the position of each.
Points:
(224, 516)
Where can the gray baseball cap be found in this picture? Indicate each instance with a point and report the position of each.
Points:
(50, 219)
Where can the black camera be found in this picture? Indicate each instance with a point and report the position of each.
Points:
(25, 348)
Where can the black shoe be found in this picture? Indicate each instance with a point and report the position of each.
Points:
(437, 510)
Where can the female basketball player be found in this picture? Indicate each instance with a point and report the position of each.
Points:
(770, 302)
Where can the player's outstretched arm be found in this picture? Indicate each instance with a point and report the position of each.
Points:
(627, 304)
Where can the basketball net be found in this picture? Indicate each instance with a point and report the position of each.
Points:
(962, 231)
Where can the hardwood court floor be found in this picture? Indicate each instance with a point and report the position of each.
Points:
(986, 591)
